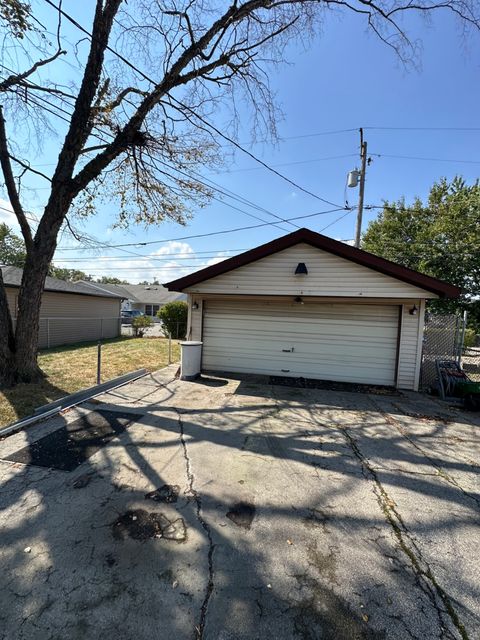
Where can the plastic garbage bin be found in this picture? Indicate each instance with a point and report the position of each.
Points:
(191, 359)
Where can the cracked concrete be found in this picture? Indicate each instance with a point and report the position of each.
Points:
(362, 518)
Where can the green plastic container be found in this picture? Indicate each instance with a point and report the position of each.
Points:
(465, 388)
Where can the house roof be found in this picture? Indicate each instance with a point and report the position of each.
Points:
(440, 288)
(12, 277)
(142, 293)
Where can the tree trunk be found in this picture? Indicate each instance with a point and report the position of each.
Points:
(31, 290)
(28, 322)
(7, 341)
(19, 348)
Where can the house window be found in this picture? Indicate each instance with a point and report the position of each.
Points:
(151, 309)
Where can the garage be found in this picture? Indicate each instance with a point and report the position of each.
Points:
(310, 340)
(307, 306)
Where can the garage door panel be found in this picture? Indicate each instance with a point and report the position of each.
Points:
(306, 343)
(284, 359)
(366, 376)
(342, 342)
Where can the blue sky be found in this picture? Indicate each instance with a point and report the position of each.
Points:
(345, 80)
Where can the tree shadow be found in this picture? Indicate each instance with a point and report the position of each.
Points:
(320, 560)
(23, 399)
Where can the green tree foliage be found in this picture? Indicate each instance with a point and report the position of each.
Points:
(12, 248)
(14, 15)
(174, 319)
(13, 253)
(111, 280)
(71, 275)
(140, 324)
(440, 238)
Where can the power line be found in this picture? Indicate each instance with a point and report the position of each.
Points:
(198, 177)
(160, 268)
(183, 106)
(213, 233)
(386, 155)
(295, 162)
(335, 222)
(422, 128)
(170, 258)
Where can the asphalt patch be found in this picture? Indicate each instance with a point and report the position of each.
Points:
(139, 524)
(242, 514)
(167, 493)
(68, 447)
(332, 385)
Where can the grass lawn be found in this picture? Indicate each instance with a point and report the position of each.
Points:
(74, 367)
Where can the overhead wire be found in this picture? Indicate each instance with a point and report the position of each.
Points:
(212, 233)
(183, 106)
(198, 177)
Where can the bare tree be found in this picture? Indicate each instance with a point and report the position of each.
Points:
(132, 129)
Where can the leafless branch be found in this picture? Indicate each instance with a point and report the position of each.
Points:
(19, 78)
(11, 186)
(28, 167)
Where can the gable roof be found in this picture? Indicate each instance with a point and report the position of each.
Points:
(142, 293)
(440, 288)
(12, 277)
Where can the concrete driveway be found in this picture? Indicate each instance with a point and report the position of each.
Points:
(234, 509)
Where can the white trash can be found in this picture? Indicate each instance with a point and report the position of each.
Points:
(191, 359)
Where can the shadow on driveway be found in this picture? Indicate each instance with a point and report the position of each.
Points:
(362, 519)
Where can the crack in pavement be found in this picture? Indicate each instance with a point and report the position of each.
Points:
(426, 579)
(440, 470)
(193, 493)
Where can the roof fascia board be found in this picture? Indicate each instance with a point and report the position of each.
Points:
(324, 243)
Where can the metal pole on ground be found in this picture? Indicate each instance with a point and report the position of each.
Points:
(462, 338)
(99, 361)
(169, 348)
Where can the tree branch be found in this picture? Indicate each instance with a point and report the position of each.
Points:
(27, 167)
(11, 186)
(17, 79)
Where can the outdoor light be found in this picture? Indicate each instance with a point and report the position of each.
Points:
(195, 306)
(298, 300)
(301, 269)
(413, 311)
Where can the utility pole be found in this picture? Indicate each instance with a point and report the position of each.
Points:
(363, 171)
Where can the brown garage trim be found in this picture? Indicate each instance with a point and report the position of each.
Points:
(442, 289)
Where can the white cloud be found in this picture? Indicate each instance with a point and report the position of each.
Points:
(349, 242)
(172, 260)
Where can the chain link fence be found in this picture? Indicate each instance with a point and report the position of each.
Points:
(57, 331)
(471, 360)
(442, 338)
(177, 330)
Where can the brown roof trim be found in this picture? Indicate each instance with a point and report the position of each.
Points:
(440, 288)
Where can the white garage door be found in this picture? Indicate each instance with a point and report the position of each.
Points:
(344, 342)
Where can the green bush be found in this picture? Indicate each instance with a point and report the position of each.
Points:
(174, 319)
(140, 324)
(470, 338)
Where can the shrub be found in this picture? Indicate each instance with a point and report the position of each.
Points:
(174, 319)
(470, 338)
(140, 324)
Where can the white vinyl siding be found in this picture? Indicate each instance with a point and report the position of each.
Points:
(328, 275)
(195, 318)
(67, 318)
(410, 350)
(331, 341)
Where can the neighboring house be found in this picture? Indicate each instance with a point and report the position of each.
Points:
(305, 305)
(70, 311)
(148, 298)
